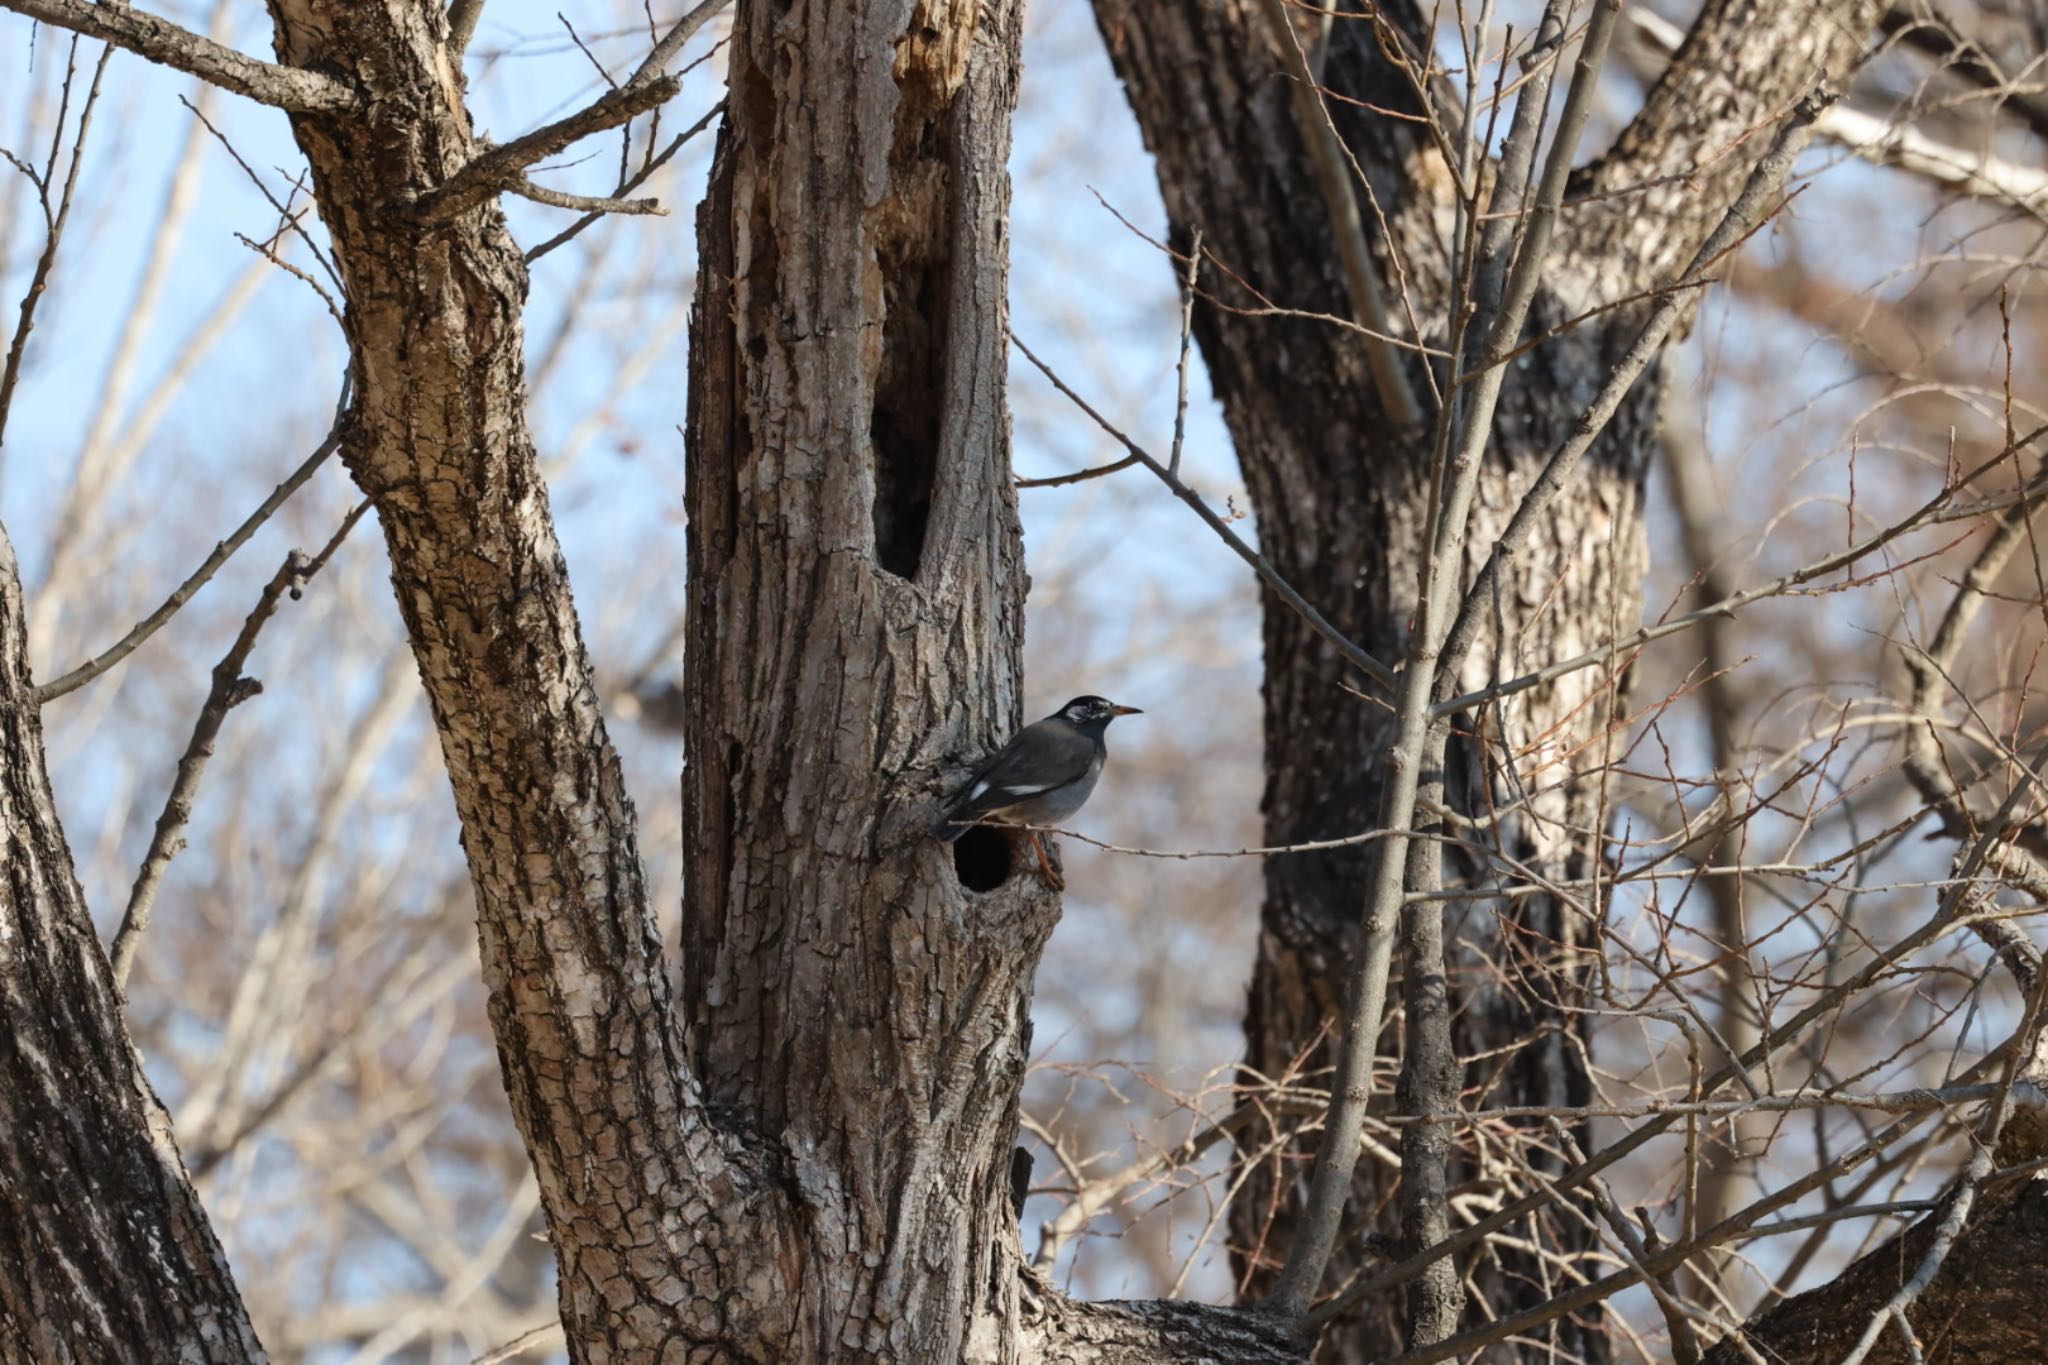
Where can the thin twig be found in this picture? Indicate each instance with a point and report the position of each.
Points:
(1080, 475)
(533, 1339)
(1685, 1338)
(641, 177)
(1187, 334)
(1948, 912)
(585, 203)
(672, 42)
(496, 170)
(1671, 1258)
(1363, 661)
(1964, 1196)
(502, 166)
(1929, 513)
(229, 690)
(199, 577)
(53, 226)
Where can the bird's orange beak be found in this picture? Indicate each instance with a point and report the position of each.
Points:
(1125, 711)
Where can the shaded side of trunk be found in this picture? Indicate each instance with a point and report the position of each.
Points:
(1986, 1302)
(1338, 494)
(105, 1252)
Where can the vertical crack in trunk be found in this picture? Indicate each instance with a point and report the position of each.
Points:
(913, 231)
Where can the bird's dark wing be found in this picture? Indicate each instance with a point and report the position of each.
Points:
(1043, 756)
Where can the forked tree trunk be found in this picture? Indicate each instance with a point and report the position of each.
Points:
(1339, 497)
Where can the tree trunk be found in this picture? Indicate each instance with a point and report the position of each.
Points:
(855, 617)
(857, 993)
(1338, 492)
(105, 1253)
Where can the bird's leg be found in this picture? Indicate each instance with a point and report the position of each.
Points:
(1052, 879)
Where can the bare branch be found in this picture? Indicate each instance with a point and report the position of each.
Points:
(229, 690)
(1929, 513)
(504, 166)
(588, 203)
(633, 182)
(54, 219)
(672, 42)
(1765, 182)
(1948, 914)
(1900, 145)
(1365, 662)
(151, 624)
(167, 44)
(1420, 736)
(1934, 37)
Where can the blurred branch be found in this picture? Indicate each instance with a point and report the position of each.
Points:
(167, 44)
(1930, 512)
(542, 1338)
(462, 20)
(1705, 538)
(1340, 201)
(1899, 145)
(1908, 149)
(222, 552)
(230, 689)
(1742, 218)
(1932, 36)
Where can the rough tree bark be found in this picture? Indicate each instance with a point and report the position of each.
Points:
(855, 992)
(1338, 495)
(105, 1253)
